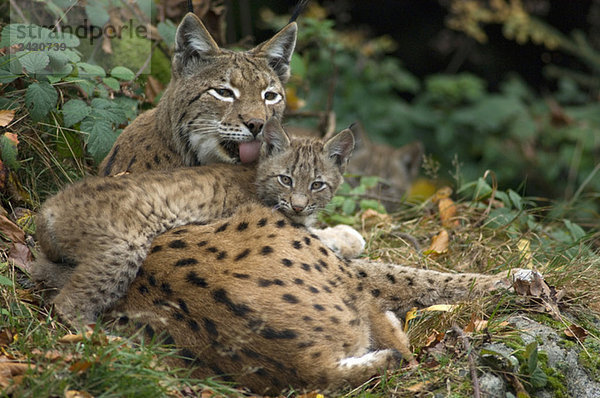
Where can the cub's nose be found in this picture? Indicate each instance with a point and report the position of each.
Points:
(298, 208)
(255, 125)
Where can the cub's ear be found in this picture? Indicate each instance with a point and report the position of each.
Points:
(275, 139)
(192, 43)
(278, 50)
(340, 147)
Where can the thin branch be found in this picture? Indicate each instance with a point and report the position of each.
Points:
(14, 5)
(471, 358)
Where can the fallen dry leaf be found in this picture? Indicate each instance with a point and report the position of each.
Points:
(6, 117)
(80, 366)
(7, 336)
(10, 370)
(447, 209)
(530, 283)
(475, 325)
(78, 394)
(75, 338)
(419, 387)
(370, 218)
(439, 243)
(12, 137)
(21, 256)
(576, 332)
(434, 338)
(10, 230)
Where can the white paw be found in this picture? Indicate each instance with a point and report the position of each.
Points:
(342, 239)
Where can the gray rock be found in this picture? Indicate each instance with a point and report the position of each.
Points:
(579, 383)
(492, 386)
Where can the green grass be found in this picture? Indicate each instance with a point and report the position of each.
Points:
(129, 366)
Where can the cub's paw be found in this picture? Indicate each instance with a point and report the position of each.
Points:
(344, 240)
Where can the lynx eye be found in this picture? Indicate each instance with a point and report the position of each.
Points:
(317, 186)
(271, 97)
(284, 180)
(223, 94)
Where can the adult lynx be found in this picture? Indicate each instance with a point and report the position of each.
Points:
(216, 103)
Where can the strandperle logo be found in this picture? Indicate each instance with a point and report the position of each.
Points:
(86, 30)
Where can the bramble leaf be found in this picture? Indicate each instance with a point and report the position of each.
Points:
(40, 98)
(75, 111)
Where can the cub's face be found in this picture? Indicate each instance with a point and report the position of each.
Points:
(299, 177)
(220, 99)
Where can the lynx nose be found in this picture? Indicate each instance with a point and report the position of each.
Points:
(255, 125)
(298, 202)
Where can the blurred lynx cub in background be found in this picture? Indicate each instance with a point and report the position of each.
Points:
(95, 234)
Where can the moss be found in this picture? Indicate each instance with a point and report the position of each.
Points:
(590, 360)
(548, 321)
(557, 381)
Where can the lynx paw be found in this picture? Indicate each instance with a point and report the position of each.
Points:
(345, 241)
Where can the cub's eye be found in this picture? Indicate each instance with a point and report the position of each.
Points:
(271, 97)
(317, 186)
(284, 180)
(224, 92)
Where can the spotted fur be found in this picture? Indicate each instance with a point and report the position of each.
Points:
(281, 312)
(216, 100)
(94, 234)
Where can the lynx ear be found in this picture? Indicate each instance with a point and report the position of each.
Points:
(192, 42)
(411, 157)
(278, 50)
(274, 138)
(340, 147)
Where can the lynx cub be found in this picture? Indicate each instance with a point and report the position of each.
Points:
(265, 303)
(95, 234)
(215, 105)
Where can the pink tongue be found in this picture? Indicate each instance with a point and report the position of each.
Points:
(249, 151)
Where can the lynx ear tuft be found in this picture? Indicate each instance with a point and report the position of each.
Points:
(278, 50)
(275, 139)
(340, 147)
(192, 42)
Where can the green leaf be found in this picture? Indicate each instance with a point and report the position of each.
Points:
(516, 199)
(75, 111)
(40, 98)
(348, 206)
(5, 281)
(369, 182)
(538, 378)
(298, 66)
(122, 73)
(372, 204)
(340, 219)
(167, 31)
(358, 190)
(112, 83)
(101, 137)
(90, 70)
(34, 62)
(575, 230)
(68, 145)
(531, 353)
(344, 189)
(97, 14)
(9, 152)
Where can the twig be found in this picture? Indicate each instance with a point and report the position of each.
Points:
(14, 5)
(471, 359)
(146, 62)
